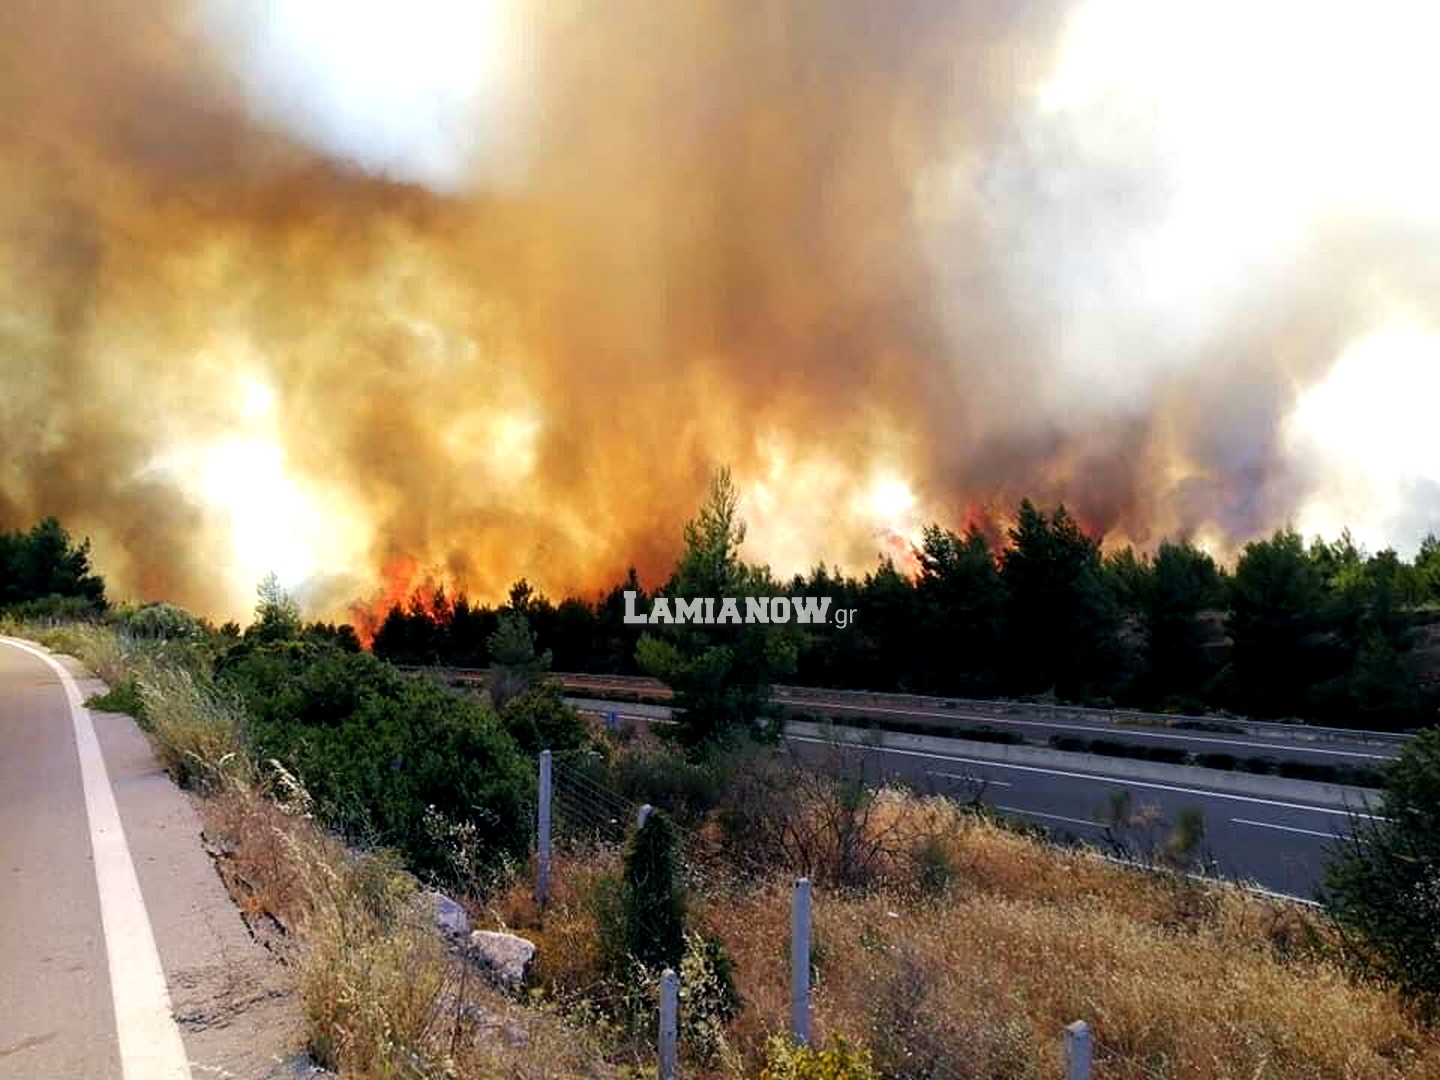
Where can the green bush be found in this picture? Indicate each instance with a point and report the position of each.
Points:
(1384, 884)
(538, 719)
(654, 900)
(666, 777)
(1216, 761)
(709, 998)
(124, 698)
(384, 756)
(784, 1060)
(163, 622)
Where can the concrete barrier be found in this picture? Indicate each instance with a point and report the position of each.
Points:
(1236, 783)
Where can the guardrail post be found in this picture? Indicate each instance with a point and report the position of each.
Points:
(1077, 1051)
(542, 863)
(669, 1023)
(800, 963)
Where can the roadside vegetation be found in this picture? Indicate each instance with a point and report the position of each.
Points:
(336, 790)
(1325, 632)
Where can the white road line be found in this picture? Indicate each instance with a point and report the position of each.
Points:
(1283, 828)
(149, 1040)
(1183, 736)
(1049, 817)
(972, 779)
(1121, 781)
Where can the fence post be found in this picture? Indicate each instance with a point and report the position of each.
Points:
(669, 1017)
(1077, 1051)
(542, 868)
(800, 963)
(643, 816)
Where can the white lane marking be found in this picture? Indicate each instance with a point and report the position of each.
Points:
(1284, 828)
(150, 1044)
(1123, 781)
(1049, 817)
(971, 778)
(1183, 736)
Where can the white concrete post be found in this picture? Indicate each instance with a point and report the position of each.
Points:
(1077, 1051)
(669, 1023)
(643, 816)
(542, 867)
(800, 963)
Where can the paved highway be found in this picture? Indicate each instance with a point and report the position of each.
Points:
(1279, 844)
(1038, 723)
(121, 956)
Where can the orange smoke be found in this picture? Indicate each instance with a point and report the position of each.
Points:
(811, 242)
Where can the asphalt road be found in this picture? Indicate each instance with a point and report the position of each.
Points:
(1038, 725)
(1277, 844)
(121, 956)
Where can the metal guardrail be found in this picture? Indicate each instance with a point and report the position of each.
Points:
(796, 694)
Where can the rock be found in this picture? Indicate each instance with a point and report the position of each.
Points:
(504, 957)
(450, 918)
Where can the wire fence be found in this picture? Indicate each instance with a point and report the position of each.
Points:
(585, 812)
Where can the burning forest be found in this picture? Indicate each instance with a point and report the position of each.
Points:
(471, 293)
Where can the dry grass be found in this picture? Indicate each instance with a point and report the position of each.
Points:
(383, 996)
(978, 979)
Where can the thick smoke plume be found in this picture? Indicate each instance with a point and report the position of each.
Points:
(862, 253)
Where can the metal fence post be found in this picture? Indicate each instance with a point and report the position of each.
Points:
(800, 963)
(669, 1017)
(1077, 1051)
(542, 868)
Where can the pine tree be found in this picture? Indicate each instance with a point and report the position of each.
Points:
(654, 901)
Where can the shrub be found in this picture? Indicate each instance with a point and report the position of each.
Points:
(1170, 755)
(1216, 761)
(784, 1060)
(123, 698)
(934, 865)
(708, 995)
(538, 719)
(821, 820)
(158, 622)
(1384, 884)
(384, 755)
(666, 777)
(653, 900)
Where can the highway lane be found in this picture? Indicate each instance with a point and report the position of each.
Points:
(56, 1017)
(1036, 727)
(1038, 723)
(1278, 844)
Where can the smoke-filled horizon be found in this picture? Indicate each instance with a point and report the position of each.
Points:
(487, 291)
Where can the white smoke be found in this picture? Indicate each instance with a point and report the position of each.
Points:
(429, 91)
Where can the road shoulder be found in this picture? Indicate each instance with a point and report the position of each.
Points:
(235, 1004)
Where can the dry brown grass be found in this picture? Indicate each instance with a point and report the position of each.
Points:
(383, 996)
(977, 980)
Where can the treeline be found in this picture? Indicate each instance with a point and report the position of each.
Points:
(1322, 631)
(46, 571)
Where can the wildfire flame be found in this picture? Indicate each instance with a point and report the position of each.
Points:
(481, 292)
